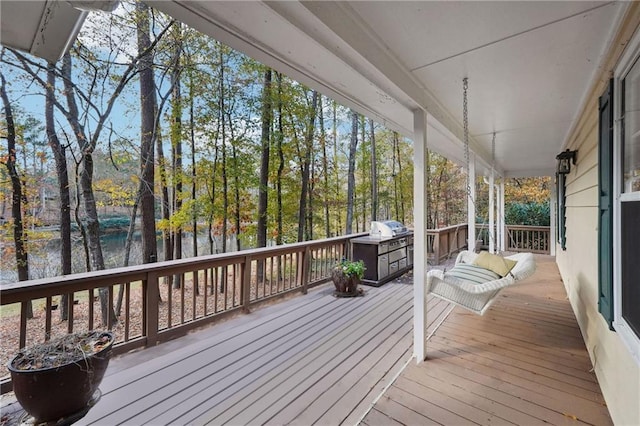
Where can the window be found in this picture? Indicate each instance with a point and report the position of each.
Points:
(626, 281)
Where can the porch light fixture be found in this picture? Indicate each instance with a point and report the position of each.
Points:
(565, 159)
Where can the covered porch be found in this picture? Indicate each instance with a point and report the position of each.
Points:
(317, 359)
(535, 76)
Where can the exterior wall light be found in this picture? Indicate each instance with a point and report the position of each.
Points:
(565, 159)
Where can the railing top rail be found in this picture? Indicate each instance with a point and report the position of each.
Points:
(43, 287)
(529, 227)
(447, 228)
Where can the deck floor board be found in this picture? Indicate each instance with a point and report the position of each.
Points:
(523, 362)
(317, 359)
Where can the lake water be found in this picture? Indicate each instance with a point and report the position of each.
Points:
(46, 261)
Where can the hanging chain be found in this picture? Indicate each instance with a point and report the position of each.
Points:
(493, 152)
(465, 123)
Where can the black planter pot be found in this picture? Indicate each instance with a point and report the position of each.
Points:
(49, 394)
(345, 286)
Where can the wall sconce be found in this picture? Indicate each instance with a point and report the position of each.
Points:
(565, 159)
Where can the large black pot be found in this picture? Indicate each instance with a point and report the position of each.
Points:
(49, 394)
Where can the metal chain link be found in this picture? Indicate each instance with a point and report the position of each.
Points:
(465, 123)
(493, 152)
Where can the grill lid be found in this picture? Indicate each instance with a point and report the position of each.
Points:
(387, 228)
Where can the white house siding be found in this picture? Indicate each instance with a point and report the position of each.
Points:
(617, 372)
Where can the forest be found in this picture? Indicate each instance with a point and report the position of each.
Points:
(187, 147)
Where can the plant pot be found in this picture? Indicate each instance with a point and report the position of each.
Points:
(49, 394)
(344, 284)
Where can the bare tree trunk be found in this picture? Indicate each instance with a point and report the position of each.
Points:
(264, 162)
(325, 171)
(396, 137)
(62, 173)
(264, 168)
(192, 125)
(167, 249)
(363, 134)
(396, 195)
(302, 212)
(280, 137)
(351, 180)
(96, 258)
(19, 236)
(212, 196)
(194, 210)
(176, 146)
(336, 169)
(236, 183)
(147, 130)
(225, 185)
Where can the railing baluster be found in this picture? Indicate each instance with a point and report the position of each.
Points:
(47, 319)
(182, 285)
(70, 304)
(91, 301)
(151, 290)
(127, 310)
(110, 319)
(193, 296)
(305, 266)
(169, 288)
(206, 291)
(23, 324)
(246, 283)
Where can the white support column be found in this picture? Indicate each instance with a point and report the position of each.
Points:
(420, 164)
(496, 188)
(502, 226)
(492, 213)
(471, 207)
(553, 211)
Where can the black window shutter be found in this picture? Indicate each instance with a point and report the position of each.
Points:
(605, 205)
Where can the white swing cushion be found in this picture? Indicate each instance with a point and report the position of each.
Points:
(477, 297)
(471, 273)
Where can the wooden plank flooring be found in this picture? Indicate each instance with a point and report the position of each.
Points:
(311, 359)
(317, 359)
(523, 363)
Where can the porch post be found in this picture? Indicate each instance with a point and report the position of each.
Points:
(502, 228)
(552, 220)
(420, 164)
(471, 207)
(492, 213)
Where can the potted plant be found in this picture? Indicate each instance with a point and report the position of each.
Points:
(346, 277)
(58, 379)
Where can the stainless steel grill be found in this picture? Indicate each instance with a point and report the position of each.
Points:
(387, 228)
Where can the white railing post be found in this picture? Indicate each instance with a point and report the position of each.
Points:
(502, 231)
(471, 206)
(420, 161)
(492, 211)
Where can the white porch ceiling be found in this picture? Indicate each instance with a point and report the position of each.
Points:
(43, 28)
(530, 64)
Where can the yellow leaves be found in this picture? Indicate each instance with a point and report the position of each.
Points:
(527, 190)
(115, 194)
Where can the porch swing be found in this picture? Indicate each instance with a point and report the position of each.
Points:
(476, 279)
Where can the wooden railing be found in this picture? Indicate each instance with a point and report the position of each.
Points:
(534, 239)
(161, 301)
(442, 243)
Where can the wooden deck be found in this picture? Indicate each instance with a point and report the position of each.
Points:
(317, 359)
(311, 359)
(524, 362)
